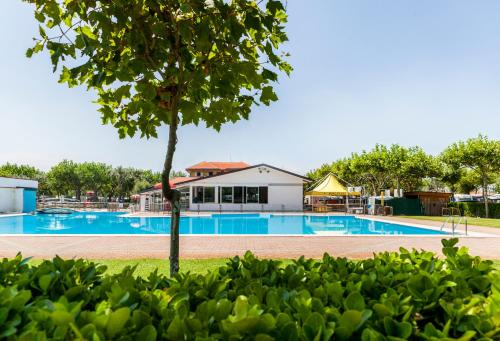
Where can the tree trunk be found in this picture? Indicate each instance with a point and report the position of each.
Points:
(172, 195)
(78, 193)
(485, 197)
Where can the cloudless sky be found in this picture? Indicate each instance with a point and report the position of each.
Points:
(420, 72)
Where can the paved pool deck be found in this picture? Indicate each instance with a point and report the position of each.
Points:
(486, 244)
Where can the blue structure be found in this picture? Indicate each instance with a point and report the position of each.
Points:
(29, 200)
(17, 195)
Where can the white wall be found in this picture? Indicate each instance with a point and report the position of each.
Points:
(11, 193)
(11, 200)
(285, 191)
(13, 183)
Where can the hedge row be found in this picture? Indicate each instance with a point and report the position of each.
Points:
(393, 296)
(476, 209)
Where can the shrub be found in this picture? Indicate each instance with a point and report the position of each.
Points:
(476, 209)
(393, 296)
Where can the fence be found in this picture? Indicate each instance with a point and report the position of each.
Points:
(477, 209)
(404, 206)
(85, 206)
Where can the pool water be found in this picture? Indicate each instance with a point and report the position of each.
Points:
(265, 224)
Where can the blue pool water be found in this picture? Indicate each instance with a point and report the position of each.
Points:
(116, 223)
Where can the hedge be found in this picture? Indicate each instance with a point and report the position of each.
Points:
(476, 209)
(392, 296)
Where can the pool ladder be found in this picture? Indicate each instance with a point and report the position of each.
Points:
(454, 226)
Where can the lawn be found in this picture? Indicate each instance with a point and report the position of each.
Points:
(470, 220)
(146, 266)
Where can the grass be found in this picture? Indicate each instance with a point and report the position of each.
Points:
(146, 266)
(470, 220)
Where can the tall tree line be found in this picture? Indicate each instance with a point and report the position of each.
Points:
(462, 167)
(72, 179)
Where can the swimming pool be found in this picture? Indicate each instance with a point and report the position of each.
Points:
(214, 224)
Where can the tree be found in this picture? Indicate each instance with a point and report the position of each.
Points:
(168, 62)
(384, 167)
(65, 177)
(25, 172)
(122, 181)
(19, 171)
(479, 155)
(177, 174)
(371, 168)
(150, 177)
(410, 166)
(96, 177)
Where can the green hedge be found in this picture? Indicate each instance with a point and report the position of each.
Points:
(393, 296)
(476, 209)
(404, 206)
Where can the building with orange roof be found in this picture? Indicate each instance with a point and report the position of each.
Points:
(208, 168)
(230, 187)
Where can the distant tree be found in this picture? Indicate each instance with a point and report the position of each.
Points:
(469, 181)
(384, 167)
(412, 167)
(65, 177)
(168, 62)
(19, 171)
(150, 177)
(122, 181)
(25, 172)
(371, 169)
(96, 177)
(479, 155)
(140, 185)
(177, 174)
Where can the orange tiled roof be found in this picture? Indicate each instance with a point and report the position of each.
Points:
(175, 181)
(219, 165)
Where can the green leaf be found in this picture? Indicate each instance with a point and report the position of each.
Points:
(175, 329)
(87, 31)
(44, 282)
(267, 96)
(42, 32)
(117, 320)
(148, 333)
(61, 318)
(355, 301)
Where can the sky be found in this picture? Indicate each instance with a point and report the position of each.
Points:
(423, 73)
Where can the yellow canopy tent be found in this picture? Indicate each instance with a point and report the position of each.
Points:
(329, 186)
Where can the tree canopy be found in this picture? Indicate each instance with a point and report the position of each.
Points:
(384, 167)
(479, 157)
(169, 62)
(209, 61)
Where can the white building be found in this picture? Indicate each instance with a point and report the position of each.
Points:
(17, 195)
(255, 188)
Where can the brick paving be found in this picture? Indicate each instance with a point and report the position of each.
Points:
(147, 246)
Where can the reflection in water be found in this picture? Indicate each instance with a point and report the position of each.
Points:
(115, 223)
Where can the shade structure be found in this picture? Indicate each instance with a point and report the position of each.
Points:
(330, 186)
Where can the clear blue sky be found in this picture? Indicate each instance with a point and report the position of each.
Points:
(410, 72)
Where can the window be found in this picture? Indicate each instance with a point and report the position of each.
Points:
(198, 173)
(197, 195)
(263, 195)
(208, 194)
(252, 195)
(238, 195)
(226, 195)
(210, 173)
